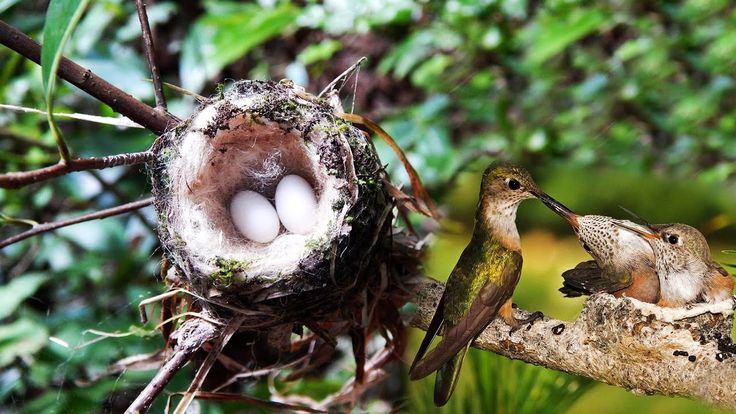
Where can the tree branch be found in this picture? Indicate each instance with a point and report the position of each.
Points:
(156, 121)
(46, 227)
(20, 179)
(150, 53)
(622, 342)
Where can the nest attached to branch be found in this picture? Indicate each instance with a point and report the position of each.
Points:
(249, 139)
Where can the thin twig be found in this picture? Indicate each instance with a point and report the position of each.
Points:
(344, 76)
(47, 227)
(157, 122)
(20, 179)
(182, 91)
(150, 52)
(226, 396)
(192, 335)
(204, 369)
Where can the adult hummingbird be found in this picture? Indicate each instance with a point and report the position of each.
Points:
(624, 262)
(687, 273)
(483, 280)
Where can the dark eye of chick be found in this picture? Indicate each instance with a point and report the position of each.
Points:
(513, 184)
(673, 239)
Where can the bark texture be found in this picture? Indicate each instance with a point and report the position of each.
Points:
(623, 342)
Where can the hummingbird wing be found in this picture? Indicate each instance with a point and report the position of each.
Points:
(588, 278)
(482, 310)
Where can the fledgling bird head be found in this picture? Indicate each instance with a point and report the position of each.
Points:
(676, 245)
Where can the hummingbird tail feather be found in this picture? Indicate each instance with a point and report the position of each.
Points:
(434, 327)
(447, 376)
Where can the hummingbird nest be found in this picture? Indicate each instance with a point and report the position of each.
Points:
(342, 277)
(248, 139)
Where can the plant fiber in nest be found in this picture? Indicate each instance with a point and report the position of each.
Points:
(247, 139)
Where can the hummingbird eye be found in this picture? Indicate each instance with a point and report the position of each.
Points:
(673, 239)
(513, 184)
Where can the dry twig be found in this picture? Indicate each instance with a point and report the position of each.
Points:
(150, 52)
(46, 227)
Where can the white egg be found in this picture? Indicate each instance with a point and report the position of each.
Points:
(254, 216)
(296, 204)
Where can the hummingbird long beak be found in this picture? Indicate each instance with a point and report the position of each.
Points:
(560, 209)
(645, 232)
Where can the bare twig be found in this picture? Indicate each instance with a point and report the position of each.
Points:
(232, 327)
(343, 77)
(150, 52)
(622, 342)
(190, 337)
(20, 179)
(46, 227)
(225, 396)
(155, 121)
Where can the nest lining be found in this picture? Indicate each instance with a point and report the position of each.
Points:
(256, 134)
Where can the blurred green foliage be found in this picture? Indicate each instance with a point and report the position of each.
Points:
(609, 103)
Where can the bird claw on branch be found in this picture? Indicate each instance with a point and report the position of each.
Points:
(622, 342)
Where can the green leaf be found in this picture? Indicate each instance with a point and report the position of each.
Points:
(216, 40)
(319, 52)
(6, 4)
(21, 338)
(14, 293)
(555, 33)
(61, 17)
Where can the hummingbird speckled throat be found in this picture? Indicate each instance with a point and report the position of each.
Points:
(687, 273)
(483, 280)
(624, 263)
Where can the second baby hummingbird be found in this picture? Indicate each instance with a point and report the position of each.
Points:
(624, 262)
(687, 273)
(482, 282)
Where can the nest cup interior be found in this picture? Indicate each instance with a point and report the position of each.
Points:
(255, 159)
(245, 153)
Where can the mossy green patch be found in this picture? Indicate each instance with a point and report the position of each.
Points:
(226, 271)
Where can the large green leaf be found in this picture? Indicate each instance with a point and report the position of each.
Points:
(553, 33)
(20, 338)
(61, 17)
(17, 290)
(222, 36)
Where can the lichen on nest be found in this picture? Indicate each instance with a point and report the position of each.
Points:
(247, 139)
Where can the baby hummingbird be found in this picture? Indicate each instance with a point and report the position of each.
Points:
(623, 265)
(482, 282)
(687, 274)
